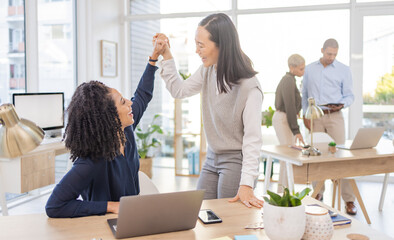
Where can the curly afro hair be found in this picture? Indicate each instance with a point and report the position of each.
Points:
(94, 128)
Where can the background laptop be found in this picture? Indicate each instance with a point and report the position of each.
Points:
(365, 138)
(157, 213)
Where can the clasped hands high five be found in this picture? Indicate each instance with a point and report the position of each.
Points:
(161, 46)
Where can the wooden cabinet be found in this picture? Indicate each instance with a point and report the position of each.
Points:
(30, 171)
(37, 171)
(33, 170)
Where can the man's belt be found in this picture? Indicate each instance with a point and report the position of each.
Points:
(328, 111)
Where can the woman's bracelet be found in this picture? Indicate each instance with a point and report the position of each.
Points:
(152, 60)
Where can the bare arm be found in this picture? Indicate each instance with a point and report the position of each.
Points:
(113, 207)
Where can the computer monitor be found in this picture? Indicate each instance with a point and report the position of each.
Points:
(44, 109)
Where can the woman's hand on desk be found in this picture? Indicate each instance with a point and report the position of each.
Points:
(246, 196)
(113, 207)
(300, 139)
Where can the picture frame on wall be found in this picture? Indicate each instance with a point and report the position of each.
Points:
(109, 59)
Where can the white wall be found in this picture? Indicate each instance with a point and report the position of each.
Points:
(99, 20)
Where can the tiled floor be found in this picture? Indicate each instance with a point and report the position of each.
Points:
(165, 180)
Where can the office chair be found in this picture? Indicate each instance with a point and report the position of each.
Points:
(146, 184)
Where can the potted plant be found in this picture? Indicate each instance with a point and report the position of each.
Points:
(332, 147)
(284, 216)
(267, 117)
(146, 142)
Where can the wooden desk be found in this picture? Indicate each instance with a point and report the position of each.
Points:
(344, 163)
(28, 172)
(235, 217)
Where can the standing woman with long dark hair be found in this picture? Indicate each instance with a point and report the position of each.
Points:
(231, 108)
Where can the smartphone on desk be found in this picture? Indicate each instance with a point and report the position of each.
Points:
(207, 216)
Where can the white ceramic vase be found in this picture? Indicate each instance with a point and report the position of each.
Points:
(318, 224)
(284, 223)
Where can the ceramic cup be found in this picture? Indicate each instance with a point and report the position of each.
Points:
(318, 224)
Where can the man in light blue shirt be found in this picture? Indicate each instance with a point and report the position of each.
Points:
(330, 83)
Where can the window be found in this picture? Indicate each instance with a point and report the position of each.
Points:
(269, 48)
(378, 73)
(17, 76)
(181, 33)
(12, 49)
(55, 38)
(17, 39)
(57, 31)
(56, 47)
(177, 6)
(250, 4)
(361, 1)
(270, 31)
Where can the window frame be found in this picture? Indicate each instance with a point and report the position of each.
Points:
(31, 43)
(357, 10)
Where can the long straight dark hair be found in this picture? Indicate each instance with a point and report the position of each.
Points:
(233, 64)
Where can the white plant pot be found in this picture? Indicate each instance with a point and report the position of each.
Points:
(284, 223)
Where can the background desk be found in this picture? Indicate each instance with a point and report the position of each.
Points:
(235, 217)
(31, 171)
(344, 163)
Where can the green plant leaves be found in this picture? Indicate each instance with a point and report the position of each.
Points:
(275, 198)
(155, 128)
(267, 117)
(142, 135)
(303, 193)
(184, 75)
(287, 200)
(294, 201)
(333, 144)
(145, 139)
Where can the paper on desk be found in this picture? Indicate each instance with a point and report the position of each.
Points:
(245, 237)
(258, 225)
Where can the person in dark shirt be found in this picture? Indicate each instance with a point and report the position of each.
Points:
(100, 136)
(288, 106)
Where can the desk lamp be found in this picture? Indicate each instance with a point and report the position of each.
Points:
(312, 112)
(17, 136)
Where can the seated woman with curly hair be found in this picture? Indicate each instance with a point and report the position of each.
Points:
(100, 136)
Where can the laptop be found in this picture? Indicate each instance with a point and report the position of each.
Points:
(156, 213)
(365, 138)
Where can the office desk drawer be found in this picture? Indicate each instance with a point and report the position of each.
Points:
(29, 172)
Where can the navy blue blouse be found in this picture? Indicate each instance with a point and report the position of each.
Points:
(98, 182)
